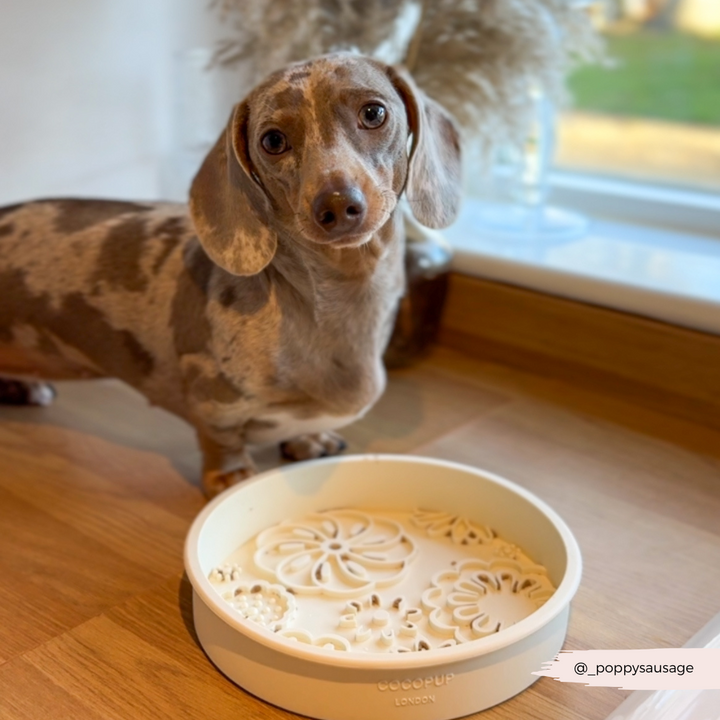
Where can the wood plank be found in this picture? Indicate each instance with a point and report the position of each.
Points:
(54, 577)
(114, 412)
(550, 699)
(94, 662)
(26, 694)
(418, 405)
(584, 399)
(141, 531)
(660, 366)
(163, 617)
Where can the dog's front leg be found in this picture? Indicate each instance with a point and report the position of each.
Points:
(312, 445)
(226, 461)
(25, 392)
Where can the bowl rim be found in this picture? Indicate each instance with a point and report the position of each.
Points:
(434, 658)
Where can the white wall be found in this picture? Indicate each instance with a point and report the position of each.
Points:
(88, 95)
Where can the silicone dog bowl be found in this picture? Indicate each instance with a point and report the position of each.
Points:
(317, 680)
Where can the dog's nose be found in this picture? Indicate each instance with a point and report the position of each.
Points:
(339, 211)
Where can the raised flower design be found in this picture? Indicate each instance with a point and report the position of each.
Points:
(374, 626)
(502, 549)
(477, 598)
(225, 573)
(339, 553)
(271, 606)
(455, 527)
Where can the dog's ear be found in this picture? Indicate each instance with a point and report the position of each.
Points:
(228, 204)
(434, 182)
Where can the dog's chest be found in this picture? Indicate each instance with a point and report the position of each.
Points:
(309, 400)
(275, 402)
(295, 364)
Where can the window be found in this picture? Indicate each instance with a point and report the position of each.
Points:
(654, 114)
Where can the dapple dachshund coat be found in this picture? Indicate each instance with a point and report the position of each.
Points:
(260, 315)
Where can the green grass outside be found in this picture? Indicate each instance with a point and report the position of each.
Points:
(663, 75)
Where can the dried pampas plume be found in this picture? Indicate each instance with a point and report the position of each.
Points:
(481, 59)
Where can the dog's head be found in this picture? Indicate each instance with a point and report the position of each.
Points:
(319, 153)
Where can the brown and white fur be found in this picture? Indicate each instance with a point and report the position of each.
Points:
(262, 314)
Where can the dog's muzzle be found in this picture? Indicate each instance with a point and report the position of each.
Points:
(339, 210)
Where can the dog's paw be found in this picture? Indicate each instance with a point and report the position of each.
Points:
(215, 481)
(307, 447)
(26, 392)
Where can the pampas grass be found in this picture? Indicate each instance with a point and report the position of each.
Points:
(481, 59)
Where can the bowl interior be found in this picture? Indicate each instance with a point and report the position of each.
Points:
(376, 482)
(383, 482)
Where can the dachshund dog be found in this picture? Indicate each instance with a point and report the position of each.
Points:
(260, 315)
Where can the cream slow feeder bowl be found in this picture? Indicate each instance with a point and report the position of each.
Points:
(336, 678)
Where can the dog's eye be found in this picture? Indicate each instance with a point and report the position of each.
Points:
(372, 116)
(274, 142)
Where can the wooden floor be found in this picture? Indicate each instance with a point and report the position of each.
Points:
(97, 492)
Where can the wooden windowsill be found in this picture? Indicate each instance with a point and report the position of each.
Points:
(655, 365)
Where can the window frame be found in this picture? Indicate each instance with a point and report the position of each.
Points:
(636, 203)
